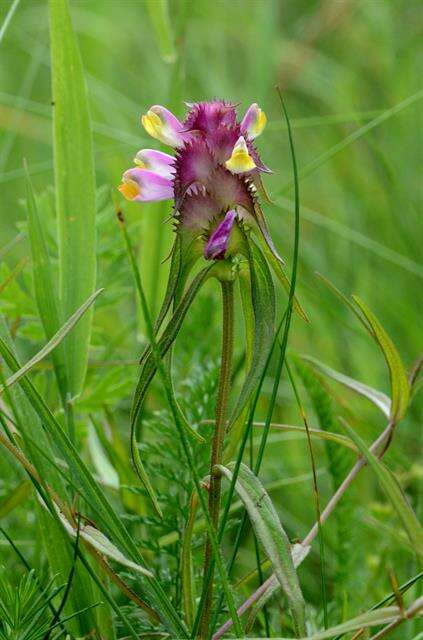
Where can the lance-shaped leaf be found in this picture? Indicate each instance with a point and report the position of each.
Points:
(263, 301)
(101, 543)
(400, 390)
(272, 536)
(74, 184)
(148, 371)
(44, 286)
(394, 493)
(279, 272)
(378, 398)
(298, 552)
(364, 621)
(51, 344)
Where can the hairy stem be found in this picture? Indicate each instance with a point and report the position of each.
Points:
(217, 443)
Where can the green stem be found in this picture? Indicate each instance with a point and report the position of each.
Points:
(217, 443)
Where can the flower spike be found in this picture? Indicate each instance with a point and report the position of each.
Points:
(160, 123)
(213, 177)
(157, 161)
(253, 122)
(240, 160)
(145, 186)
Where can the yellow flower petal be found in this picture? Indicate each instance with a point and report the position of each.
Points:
(240, 160)
(129, 189)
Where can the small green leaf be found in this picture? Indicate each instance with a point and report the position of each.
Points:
(272, 536)
(378, 398)
(75, 186)
(53, 343)
(400, 390)
(394, 492)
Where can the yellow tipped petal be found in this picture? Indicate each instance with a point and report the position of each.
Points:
(259, 124)
(140, 163)
(153, 125)
(240, 160)
(129, 189)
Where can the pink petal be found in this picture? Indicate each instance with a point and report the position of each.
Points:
(157, 161)
(217, 244)
(151, 186)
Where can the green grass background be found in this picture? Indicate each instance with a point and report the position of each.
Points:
(340, 66)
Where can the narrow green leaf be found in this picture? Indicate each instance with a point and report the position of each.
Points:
(272, 536)
(18, 495)
(75, 186)
(378, 398)
(8, 18)
(53, 343)
(148, 368)
(400, 390)
(298, 552)
(263, 300)
(44, 286)
(366, 620)
(282, 277)
(101, 543)
(159, 16)
(314, 433)
(394, 493)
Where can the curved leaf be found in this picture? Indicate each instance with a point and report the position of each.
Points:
(400, 390)
(263, 300)
(378, 398)
(298, 552)
(148, 370)
(394, 492)
(51, 344)
(272, 536)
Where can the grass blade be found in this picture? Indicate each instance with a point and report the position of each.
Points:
(160, 19)
(400, 390)
(378, 398)
(44, 286)
(53, 343)
(75, 186)
(393, 492)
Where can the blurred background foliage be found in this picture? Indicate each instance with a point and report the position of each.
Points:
(341, 65)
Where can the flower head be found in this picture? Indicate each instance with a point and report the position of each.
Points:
(213, 176)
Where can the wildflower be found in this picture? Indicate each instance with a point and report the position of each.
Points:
(213, 176)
